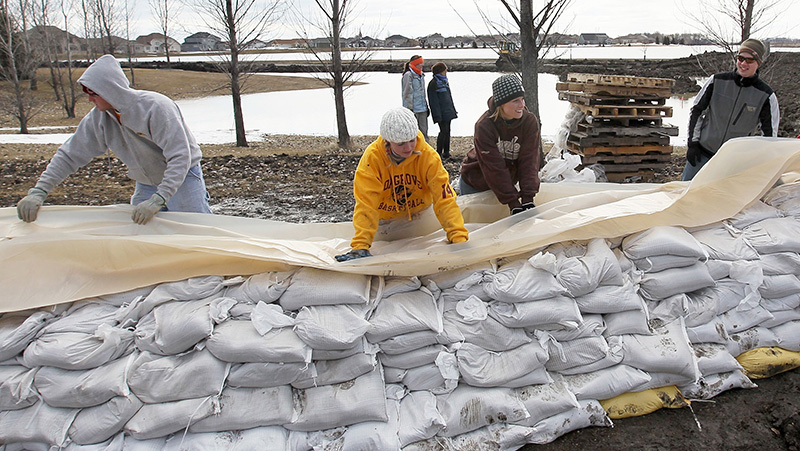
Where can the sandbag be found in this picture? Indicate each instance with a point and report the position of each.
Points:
(329, 372)
(264, 287)
(610, 299)
(155, 378)
(545, 400)
(245, 408)
(84, 317)
(239, 342)
(482, 368)
(628, 322)
(556, 310)
(663, 284)
(711, 385)
(589, 413)
(330, 327)
(525, 280)
(761, 363)
(788, 334)
(483, 331)
(37, 423)
(419, 417)
(99, 423)
(161, 419)
(77, 350)
(340, 288)
(606, 383)
(750, 339)
(714, 358)
(468, 408)
(667, 350)
(573, 353)
(404, 313)
(640, 403)
(780, 263)
(190, 289)
(592, 325)
(774, 235)
(583, 274)
(83, 388)
(662, 240)
(757, 211)
(16, 387)
(412, 359)
(724, 243)
(264, 375)
(377, 435)
(18, 330)
(174, 327)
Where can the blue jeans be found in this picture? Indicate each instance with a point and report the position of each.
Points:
(690, 171)
(191, 195)
(465, 188)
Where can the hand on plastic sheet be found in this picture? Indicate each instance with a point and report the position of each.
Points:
(516, 210)
(144, 212)
(353, 254)
(28, 207)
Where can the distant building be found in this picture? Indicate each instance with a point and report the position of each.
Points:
(155, 43)
(200, 42)
(287, 43)
(593, 39)
(397, 40)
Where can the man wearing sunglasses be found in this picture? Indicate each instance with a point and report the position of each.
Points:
(731, 105)
(145, 130)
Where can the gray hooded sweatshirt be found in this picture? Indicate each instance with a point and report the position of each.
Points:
(150, 136)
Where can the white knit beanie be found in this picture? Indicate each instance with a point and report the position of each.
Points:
(399, 125)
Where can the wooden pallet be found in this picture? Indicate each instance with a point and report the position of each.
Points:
(621, 80)
(618, 121)
(599, 129)
(626, 112)
(653, 161)
(591, 100)
(619, 177)
(617, 91)
(583, 140)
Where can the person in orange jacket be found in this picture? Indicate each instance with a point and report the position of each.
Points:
(399, 176)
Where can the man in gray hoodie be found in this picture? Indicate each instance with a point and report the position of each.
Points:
(145, 130)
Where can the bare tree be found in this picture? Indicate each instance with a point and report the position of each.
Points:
(331, 21)
(108, 21)
(128, 44)
(68, 88)
(165, 12)
(726, 23)
(16, 63)
(241, 22)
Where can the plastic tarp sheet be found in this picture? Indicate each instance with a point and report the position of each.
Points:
(71, 253)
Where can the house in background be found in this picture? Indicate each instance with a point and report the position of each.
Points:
(200, 42)
(593, 39)
(397, 40)
(287, 43)
(154, 43)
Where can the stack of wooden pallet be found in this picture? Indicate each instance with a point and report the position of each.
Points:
(623, 128)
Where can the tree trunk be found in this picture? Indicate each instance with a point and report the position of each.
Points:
(530, 57)
(748, 19)
(338, 79)
(238, 115)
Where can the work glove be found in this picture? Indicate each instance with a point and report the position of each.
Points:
(144, 212)
(693, 152)
(28, 206)
(459, 239)
(353, 254)
(527, 206)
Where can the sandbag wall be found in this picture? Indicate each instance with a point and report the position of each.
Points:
(494, 356)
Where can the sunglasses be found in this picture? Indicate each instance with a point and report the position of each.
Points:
(744, 59)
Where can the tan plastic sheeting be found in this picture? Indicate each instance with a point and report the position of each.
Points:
(71, 253)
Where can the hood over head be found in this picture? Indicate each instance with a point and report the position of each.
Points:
(106, 78)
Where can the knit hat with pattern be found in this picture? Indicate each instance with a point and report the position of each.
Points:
(754, 47)
(506, 88)
(399, 125)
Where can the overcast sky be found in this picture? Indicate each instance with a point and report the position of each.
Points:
(414, 18)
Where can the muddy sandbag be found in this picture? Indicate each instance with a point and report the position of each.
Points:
(499, 437)
(643, 402)
(311, 286)
(158, 379)
(83, 388)
(712, 385)
(404, 313)
(419, 417)
(713, 358)
(16, 387)
(245, 408)
(161, 419)
(750, 339)
(482, 368)
(468, 408)
(17, 331)
(37, 423)
(239, 342)
(174, 327)
(766, 362)
(330, 327)
(589, 414)
(264, 375)
(78, 350)
(667, 350)
(331, 406)
(545, 400)
(99, 423)
(329, 372)
(525, 280)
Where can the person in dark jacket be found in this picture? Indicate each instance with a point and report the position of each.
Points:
(443, 110)
(506, 149)
(731, 105)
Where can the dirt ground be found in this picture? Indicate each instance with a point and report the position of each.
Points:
(309, 179)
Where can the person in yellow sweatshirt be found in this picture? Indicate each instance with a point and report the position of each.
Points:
(399, 176)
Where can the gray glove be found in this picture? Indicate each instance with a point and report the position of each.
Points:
(28, 207)
(353, 254)
(144, 212)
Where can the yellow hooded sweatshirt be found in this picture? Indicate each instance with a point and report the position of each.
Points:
(384, 189)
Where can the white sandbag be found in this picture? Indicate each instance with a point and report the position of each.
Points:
(37, 423)
(83, 317)
(202, 441)
(16, 387)
(710, 332)
(779, 286)
(606, 383)
(660, 379)
(393, 375)
(264, 287)
(713, 358)
(174, 327)
(264, 375)
(77, 350)
(403, 343)
(658, 263)
(412, 359)
(780, 263)
(419, 417)
(667, 350)
(18, 330)
(482, 368)
(487, 333)
(783, 194)
(268, 437)
(612, 357)
(155, 378)
(669, 309)
(545, 400)
(83, 388)
(161, 419)
(780, 317)
(756, 337)
(361, 346)
(311, 286)
(774, 235)
(720, 269)
(394, 285)
(556, 310)
(713, 384)
(245, 408)
(536, 377)
(635, 321)
(725, 243)
(377, 435)
(190, 289)
(589, 413)
(592, 325)
(739, 319)
(758, 211)
(494, 437)
(570, 354)
(330, 372)
(115, 443)
(239, 342)
(663, 284)
(99, 423)
(403, 313)
(468, 408)
(438, 377)
(709, 302)
(610, 299)
(330, 327)
(788, 334)
(525, 280)
(786, 303)
(599, 266)
(330, 406)
(461, 276)
(460, 293)
(662, 240)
